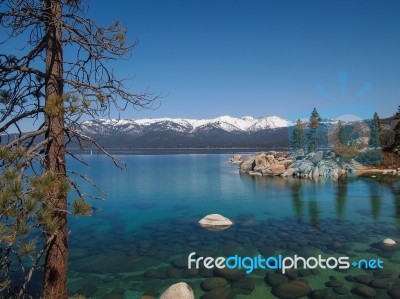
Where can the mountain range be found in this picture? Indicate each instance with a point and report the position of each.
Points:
(223, 131)
(270, 132)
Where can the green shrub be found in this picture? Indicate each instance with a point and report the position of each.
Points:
(370, 157)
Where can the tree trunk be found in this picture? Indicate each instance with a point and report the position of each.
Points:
(55, 268)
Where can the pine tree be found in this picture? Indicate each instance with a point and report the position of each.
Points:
(375, 132)
(342, 135)
(397, 128)
(38, 82)
(297, 140)
(314, 124)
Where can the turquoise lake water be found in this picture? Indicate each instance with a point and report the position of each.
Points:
(136, 241)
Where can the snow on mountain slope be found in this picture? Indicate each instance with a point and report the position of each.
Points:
(226, 123)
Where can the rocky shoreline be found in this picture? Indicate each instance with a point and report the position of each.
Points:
(314, 165)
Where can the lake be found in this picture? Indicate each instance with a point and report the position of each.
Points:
(138, 240)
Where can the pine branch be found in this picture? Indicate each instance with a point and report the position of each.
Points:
(28, 276)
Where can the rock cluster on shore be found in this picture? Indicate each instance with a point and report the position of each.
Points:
(313, 165)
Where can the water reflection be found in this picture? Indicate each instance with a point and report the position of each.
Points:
(313, 210)
(394, 186)
(341, 197)
(396, 203)
(375, 200)
(297, 199)
(310, 199)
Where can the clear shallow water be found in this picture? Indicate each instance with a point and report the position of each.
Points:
(134, 244)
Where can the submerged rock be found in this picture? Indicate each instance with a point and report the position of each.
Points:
(383, 273)
(364, 291)
(245, 285)
(215, 222)
(228, 274)
(341, 290)
(213, 283)
(219, 293)
(179, 290)
(115, 294)
(275, 279)
(292, 289)
(394, 293)
(364, 279)
(180, 263)
(380, 283)
(333, 283)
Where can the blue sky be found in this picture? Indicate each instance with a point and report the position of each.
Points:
(234, 57)
(211, 58)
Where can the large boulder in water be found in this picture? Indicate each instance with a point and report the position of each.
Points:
(215, 222)
(387, 245)
(277, 169)
(179, 290)
(261, 160)
(247, 165)
(389, 242)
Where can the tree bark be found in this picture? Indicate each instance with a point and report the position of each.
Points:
(55, 268)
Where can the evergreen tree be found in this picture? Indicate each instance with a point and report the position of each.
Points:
(38, 82)
(314, 124)
(397, 128)
(375, 132)
(297, 140)
(342, 135)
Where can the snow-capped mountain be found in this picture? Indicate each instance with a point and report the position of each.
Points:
(182, 125)
(224, 131)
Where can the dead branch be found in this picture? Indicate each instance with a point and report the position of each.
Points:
(24, 137)
(117, 162)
